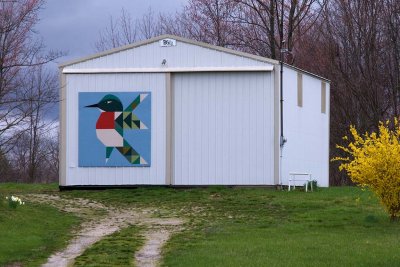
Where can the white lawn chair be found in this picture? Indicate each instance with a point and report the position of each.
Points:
(300, 177)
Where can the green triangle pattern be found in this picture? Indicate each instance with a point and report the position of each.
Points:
(129, 153)
(127, 120)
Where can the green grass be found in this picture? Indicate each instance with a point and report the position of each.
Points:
(14, 188)
(30, 233)
(263, 227)
(325, 228)
(251, 227)
(114, 250)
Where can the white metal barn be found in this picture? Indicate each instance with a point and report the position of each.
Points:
(215, 117)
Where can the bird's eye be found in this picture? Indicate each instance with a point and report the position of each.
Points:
(108, 102)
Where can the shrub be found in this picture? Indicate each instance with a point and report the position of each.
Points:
(373, 161)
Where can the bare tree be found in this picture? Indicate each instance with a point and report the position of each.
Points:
(174, 24)
(5, 168)
(354, 44)
(356, 30)
(43, 94)
(19, 50)
(30, 152)
(51, 148)
(256, 26)
(209, 21)
(269, 24)
(149, 25)
(125, 30)
(391, 52)
(119, 32)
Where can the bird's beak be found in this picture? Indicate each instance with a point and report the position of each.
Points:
(92, 106)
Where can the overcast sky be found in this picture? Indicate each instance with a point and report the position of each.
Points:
(73, 26)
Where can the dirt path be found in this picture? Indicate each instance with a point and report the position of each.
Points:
(100, 220)
(156, 236)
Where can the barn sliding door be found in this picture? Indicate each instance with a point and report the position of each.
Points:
(223, 128)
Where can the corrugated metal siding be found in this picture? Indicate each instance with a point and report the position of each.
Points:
(119, 83)
(223, 129)
(306, 129)
(182, 55)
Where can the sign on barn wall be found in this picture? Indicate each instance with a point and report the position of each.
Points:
(114, 129)
(167, 42)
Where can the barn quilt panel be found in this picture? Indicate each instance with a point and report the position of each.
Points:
(114, 129)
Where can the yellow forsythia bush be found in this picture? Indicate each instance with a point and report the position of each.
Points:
(373, 160)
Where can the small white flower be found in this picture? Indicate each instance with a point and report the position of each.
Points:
(7, 198)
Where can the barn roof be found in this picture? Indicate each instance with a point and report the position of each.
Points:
(188, 41)
(165, 36)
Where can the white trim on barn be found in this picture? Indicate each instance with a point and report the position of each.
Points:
(162, 70)
(214, 112)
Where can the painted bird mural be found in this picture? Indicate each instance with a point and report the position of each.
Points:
(112, 122)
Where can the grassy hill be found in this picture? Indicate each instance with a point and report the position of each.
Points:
(246, 226)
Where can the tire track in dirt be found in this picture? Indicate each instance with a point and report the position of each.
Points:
(101, 220)
(156, 236)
